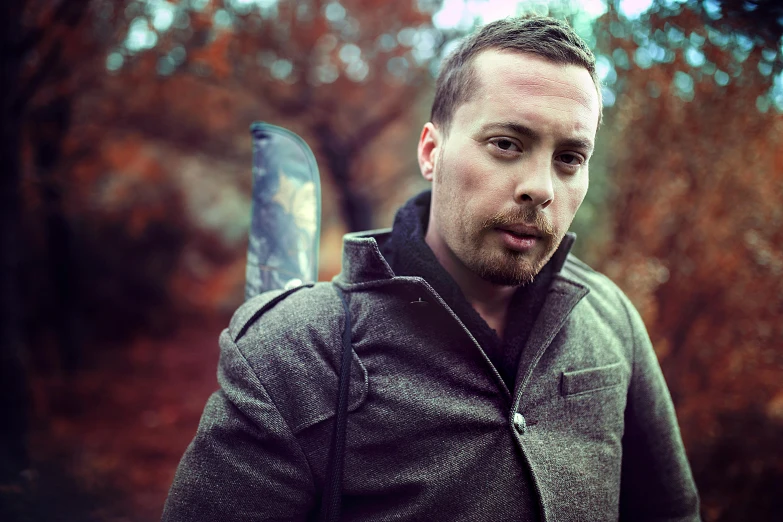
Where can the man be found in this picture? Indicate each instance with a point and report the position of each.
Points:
(493, 375)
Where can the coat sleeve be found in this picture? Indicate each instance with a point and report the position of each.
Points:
(656, 483)
(244, 462)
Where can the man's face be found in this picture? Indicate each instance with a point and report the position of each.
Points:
(512, 171)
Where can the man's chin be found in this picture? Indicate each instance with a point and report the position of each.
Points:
(508, 268)
(506, 279)
(509, 274)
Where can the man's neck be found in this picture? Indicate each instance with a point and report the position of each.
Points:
(493, 308)
(491, 301)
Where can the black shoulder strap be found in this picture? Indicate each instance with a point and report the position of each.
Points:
(331, 500)
(255, 308)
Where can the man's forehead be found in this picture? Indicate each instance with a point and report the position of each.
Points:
(495, 70)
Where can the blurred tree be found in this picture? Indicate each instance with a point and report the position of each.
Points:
(339, 73)
(44, 48)
(761, 18)
(62, 52)
(696, 165)
(13, 400)
(100, 259)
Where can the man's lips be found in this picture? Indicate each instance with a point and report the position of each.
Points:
(520, 239)
(521, 230)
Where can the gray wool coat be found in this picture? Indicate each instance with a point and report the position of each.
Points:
(588, 434)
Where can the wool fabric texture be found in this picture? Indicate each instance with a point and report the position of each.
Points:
(586, 430)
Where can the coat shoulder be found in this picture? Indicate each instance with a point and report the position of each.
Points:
(604, 294)
(278, 311)
(586, 275)
(292, 341)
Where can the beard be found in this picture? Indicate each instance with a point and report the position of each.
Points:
(501, 266)
(497, 265)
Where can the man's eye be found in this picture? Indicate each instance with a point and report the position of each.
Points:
(506, 145)
(570, 159)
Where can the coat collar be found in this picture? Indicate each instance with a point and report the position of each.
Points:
(364, 263)
(362, 258)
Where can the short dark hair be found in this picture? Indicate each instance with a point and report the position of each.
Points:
(543, 36)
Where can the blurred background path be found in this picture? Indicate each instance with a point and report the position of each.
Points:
(106, 441)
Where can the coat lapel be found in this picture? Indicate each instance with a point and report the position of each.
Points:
(563, 296)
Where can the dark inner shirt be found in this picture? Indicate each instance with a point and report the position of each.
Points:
(409, 255)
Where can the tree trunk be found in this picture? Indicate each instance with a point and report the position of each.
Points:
(354, 205)
(50, 124)
(13, 382)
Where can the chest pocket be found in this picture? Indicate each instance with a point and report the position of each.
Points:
(579, 382)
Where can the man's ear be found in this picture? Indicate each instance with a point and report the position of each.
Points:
(429, 143)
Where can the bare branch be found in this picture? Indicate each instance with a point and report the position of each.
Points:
(68, 13)
(38, 78)
(393, 110)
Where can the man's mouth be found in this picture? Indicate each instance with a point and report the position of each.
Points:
(520, 238)
(522, 231)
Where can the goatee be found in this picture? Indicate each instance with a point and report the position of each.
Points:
(513, 268)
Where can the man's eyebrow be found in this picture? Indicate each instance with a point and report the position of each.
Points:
(523, 130)
(512, 126)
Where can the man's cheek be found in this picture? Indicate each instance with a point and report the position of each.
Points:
(575, 196)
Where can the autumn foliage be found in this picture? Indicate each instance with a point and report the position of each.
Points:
(133, 186)
(696, 242)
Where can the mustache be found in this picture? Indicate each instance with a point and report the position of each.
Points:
(521, 215)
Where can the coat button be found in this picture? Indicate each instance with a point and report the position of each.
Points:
(519, 423)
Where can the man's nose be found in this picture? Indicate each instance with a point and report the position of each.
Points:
(534, 184)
